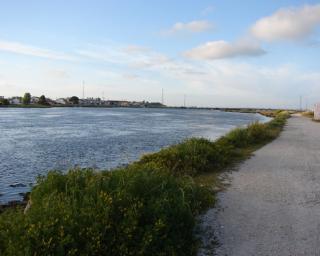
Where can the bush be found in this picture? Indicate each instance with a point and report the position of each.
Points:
(238, 137)
(258, 133)
(190, 157)
(122, 212)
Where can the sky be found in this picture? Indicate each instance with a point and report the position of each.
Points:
(213, 53)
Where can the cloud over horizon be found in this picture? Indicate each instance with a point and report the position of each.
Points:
(288, 24)
(19, 48)
(196, 26)
(222, 49)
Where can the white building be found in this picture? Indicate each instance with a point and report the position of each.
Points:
(15, 100)
(34, 100)
(317, 111)
(61, 101)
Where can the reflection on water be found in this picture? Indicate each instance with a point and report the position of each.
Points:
(33, 141)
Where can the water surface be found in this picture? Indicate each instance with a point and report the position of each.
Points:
(33, 141)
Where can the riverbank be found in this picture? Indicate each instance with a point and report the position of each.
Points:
(263, 111)
(148, 208)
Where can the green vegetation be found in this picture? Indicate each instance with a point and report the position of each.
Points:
(124, 212)
(197, 156)
(148, 208)
(26, 100)
(74, 100)
(4, 102)
(43, 100)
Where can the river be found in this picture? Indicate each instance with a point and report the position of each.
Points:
(34, 141)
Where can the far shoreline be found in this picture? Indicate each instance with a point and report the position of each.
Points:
(264, 111)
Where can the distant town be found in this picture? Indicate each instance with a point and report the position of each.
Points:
(41, 101)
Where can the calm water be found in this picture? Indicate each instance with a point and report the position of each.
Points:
(33, 141)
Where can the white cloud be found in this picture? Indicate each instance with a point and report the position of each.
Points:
(207, 10)
(222, 49)
(20, 48)
(58, 73)
(130, 76)
(133, 56)
(138, 74)
(288, 24)
(195, 26)
(136, 49)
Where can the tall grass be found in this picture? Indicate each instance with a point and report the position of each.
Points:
(148, 208)
(123, 212)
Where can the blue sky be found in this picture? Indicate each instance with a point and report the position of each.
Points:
(218, 53)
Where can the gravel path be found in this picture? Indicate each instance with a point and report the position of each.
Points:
(272, 206)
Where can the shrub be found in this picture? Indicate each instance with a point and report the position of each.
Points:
(122, 212)
(238, 137)
(190, 157)
(257, 133)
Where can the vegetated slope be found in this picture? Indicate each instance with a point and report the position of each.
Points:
(148, 208)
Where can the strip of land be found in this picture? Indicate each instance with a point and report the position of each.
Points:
(272, 206)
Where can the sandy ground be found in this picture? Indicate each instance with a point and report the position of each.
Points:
(272, 206)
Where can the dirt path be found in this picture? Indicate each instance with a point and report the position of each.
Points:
(272, 206)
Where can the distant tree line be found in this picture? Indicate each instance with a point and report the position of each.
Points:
(42, 100)
(4, 102)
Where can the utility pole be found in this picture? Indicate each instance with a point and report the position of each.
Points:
(300, 103)
(162, 97)
(83, 89)
(306, 104)
(184, 100)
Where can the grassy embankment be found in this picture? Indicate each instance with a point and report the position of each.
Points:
(148, 208)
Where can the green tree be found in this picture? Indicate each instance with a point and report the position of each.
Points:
(74, 100)
(26, 98)
(4, 102)
(42, 100)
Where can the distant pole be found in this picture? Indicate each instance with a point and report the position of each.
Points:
(82, 89)
(306, 104)
(300, 103)
(184, 100)
(103, 95)
(162, 97)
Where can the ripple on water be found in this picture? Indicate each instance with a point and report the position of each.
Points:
(33, 141)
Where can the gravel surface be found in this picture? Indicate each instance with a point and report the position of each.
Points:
(272, 206)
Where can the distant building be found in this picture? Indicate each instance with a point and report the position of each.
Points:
(34, 100)
(154, 105)
(1, 97)
(317, 111)
(90, 101)
(61, 101)
(117, 103)
(15, 100)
